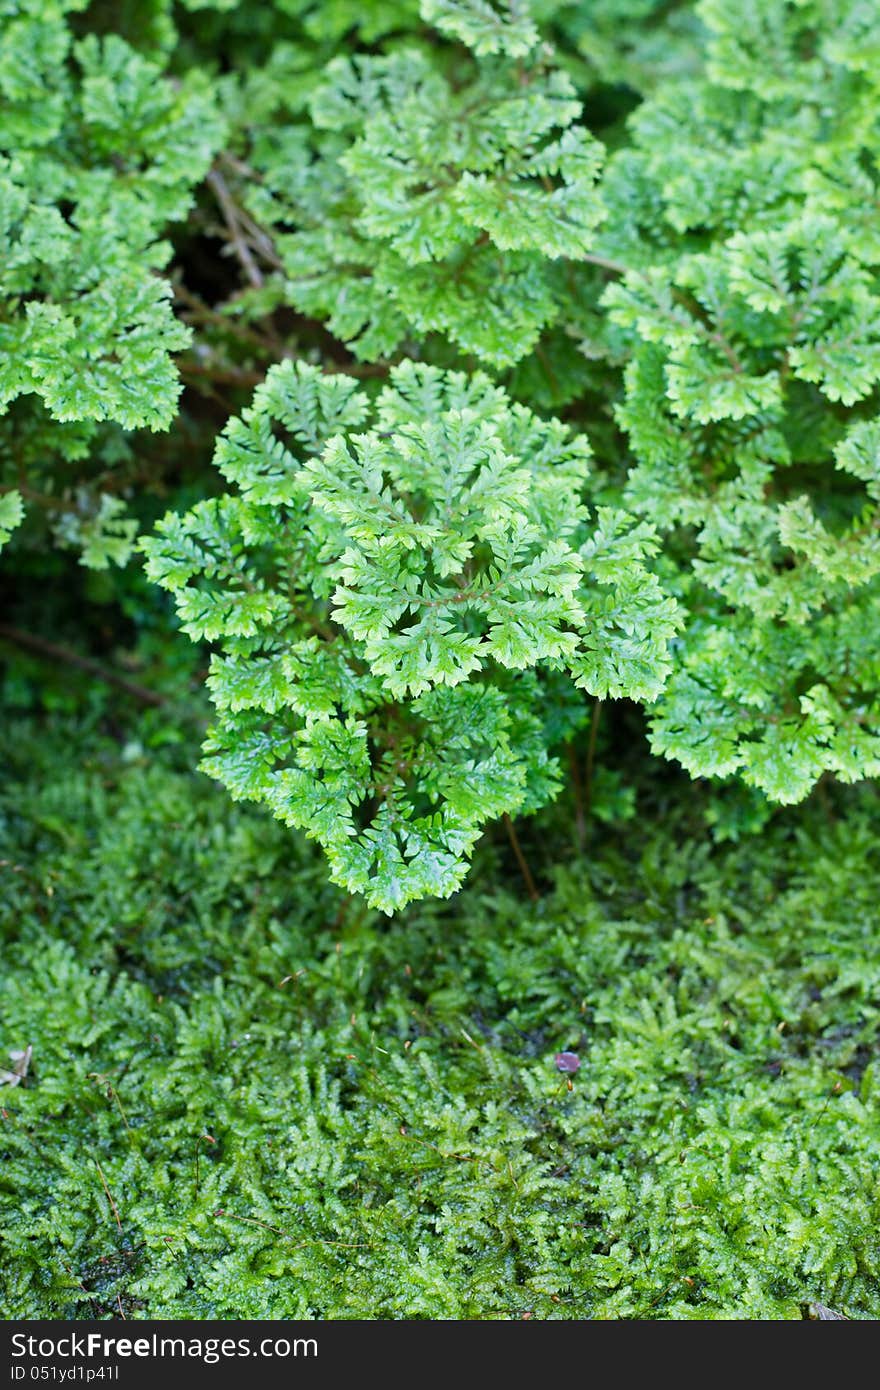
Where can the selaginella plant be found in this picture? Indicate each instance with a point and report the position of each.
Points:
(744, 218)
(406, 595)
(432, 180)
(99, 154)
(444, 188)
(406, 584)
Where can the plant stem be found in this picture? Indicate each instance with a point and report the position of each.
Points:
(580, 821)
(113, 1205)
(200, 312)
(226, 376)
(521, 859)
(605, 263)
(54, 652)
(232, 218)
(591, 754)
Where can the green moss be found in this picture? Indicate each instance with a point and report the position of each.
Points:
(290, 1100)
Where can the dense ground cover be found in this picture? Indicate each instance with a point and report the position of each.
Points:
(251, 1097)
(493, 388)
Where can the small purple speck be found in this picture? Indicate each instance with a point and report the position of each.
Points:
(567, 1061)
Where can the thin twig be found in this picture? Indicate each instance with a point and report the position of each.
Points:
(714, 335)
(238, 166)
(459, 1158)
(226, 376)
(200, 312)
(279, 1231)
(260, 240)
(521, 859)
(79, 1284)
(580, 820)
(54, 652)
(232, 218)
(591, 754)
(112, 1094)
(362, 370)
(109, 1194)
(604, 263)
(207, 1139)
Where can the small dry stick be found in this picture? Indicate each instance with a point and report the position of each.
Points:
(112, 1094)
(279, 1231)
(200, 312)
(591, 754)
(521, 859)
(580, 821)
(225, 376)
(109, 1194)
(206, 1139)
(232, 218)
(40, 647)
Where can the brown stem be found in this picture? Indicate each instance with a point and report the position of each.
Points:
(238, 166)
(714, 335)
(54, 652)
(580, 821)
(719, 338)
(824, 799)
(109, 1194)
(520, 859)
(200, 312)
(42, 499)
(591, 754)
(227, 376)
(260, 240)
(362, 370)
(232, 218)
(604, 263)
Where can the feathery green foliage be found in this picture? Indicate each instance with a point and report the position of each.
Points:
(744, 209)
(536, 344)
(99, 153)
(11, 512)
(429, 185)
(395, 610)
(416, 203)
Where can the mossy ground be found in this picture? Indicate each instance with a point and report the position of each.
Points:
(250, 1098)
